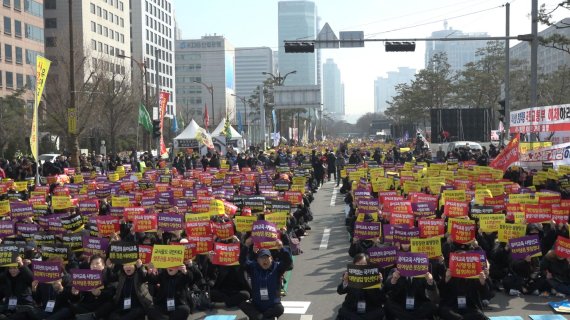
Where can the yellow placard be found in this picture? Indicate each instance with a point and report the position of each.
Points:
(510, 231)
(217, 207)
(113, 177)
(490, 222)
(4, 208)
(197, 216)
(78, 178)
(279, 218)
(21, 186)
(518, 197)
(60, 202)
(244, 223)
(167, 256)
(525, 147)
(120, 202)
(431, 246)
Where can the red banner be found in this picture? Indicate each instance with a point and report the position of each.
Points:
(509, 155)
(164, 97)
(463, 231)
(537, 213)
(145, 222)
(226, 254)
(562, 247)
(198, 228)
(431, 228)
(454, 209)
(465, 265)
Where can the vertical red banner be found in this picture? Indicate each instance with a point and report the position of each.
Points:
(164, 97)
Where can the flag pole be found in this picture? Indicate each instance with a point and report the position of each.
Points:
(35, 120)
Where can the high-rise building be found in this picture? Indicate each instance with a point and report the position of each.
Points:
(250, 65)
(385, 88)
(204, 67)
(100, 36)
(333, 95)
(548, 59)
(21, 41)
(297, 20)
(152, 36)
(458, 52)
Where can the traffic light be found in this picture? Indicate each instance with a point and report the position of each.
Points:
(155, 128)
(299, 47)
(502, 110)
(405, 46)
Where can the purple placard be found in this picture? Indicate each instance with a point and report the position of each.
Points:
(86, 280)
(95, 245)
(367, 230)
(167, 221)
(387, 232)
(402, 234)
(412, 264)
(383, 256)
(46, 271)
(21, 210)
(103, 193)
(27, 230)
(263, 231)
(525, 246)
(423, 208)
(6, 228)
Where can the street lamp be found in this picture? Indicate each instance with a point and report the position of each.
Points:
(243, 100)
(211, 90)
(279, 80)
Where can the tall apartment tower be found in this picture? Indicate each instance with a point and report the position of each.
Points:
(153, 32)
(333, 88)
(458, 52)
(100, 35)
(208, 62)
(21, 40)
(297, 20)
(251, 63)
(385, 87)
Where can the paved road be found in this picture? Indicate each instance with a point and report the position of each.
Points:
(312, 285)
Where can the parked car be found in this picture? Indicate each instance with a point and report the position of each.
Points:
(463, 144)
(48, 156)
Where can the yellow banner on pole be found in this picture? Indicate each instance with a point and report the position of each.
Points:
(42, 67)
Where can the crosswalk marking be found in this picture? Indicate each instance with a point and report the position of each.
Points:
(325, 240)
(296, 307)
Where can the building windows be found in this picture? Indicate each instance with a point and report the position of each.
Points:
(8, 52)
(99, 29)
(7, 25)
(51, 42)
(106, 32)
(18, 5)
(98, 11)
(19, 81)
(93, 26)
(31, 57)
(19, 55)
(35, 8)
(34, 33)
(92, 8)
(99, 46)
(1, 79)
(18, 28)
(6, 3)
(50, 4)
(105, 14)
(51, 23)
(9, 80)
(93, 45)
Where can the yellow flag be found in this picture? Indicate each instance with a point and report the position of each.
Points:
(42, 67)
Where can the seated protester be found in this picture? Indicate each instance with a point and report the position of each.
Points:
(266, 276)
(132, 299)
(171, 288)
(500, 259)
(461, 298)
(410, 298)
(360, 303)
(230, 286)
(551, 232)
(361, 246)
(557, 271)
(17, 284)
(523, 277)
(97, 302)
(53, 298)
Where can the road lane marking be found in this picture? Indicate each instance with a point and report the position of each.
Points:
(296, 307)
(306, 317)
(325, 240)
(333, 197)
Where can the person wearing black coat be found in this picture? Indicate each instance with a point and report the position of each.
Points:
(16, 283)
(360, 304)
(57, 293)
(557, 271)
(132, 299)
(410, 298)
(461, 298)
(523, 277)
(171, 287)
(97, 302)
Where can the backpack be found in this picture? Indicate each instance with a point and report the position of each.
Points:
(294, 244)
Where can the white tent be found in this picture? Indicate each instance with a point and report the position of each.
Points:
(192, 136)
(220, 129)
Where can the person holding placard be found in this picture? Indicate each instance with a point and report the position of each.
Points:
(17, 286)
(557, 271)
(407, 298)
(171, 289)
(360, 303)
(132, 299)
(266, 275)
(461, 298)
(97, 303)
(53, 298)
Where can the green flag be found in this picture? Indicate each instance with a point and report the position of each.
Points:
(144, 118)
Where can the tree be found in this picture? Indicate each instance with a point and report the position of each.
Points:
(556, 40)
(14, 127)
(365, 121)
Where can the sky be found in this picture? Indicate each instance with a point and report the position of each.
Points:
(253, 23)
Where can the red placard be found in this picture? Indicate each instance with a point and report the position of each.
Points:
(223, 230)
(145, 222)
(560, 214)
(403, 206)
(226, 254)
(129, 213)
(198, 228)
(431, 227)
(465, 265)
(204, 244)
(294, 197)
(463, 231)
(537, 213)
(454, 209)
(402, 218)
(107, 225)
(562, 247)
(145, 253)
